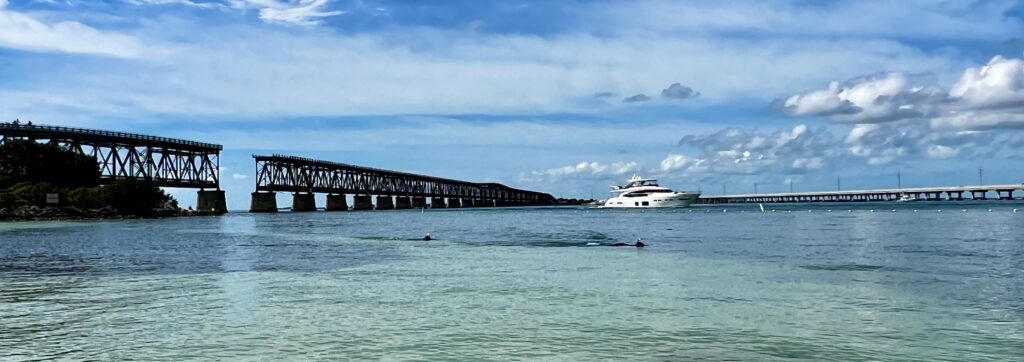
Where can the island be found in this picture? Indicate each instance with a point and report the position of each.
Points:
(44, 181)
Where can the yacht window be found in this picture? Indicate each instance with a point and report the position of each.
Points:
(645, 203)
(636, 204)
(635, 194)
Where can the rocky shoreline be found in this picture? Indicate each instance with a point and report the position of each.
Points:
(52, 213)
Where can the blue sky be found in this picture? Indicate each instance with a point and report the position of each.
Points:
(566, 97)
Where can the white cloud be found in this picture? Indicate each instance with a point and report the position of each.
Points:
(882, 144)
(238, 176)
(190, 3)
(673, 162)
(998, 84)
(979, 120)
(882, 97)
(745, 151)
(396, 71)
(808, 163)
(294, 12)
(22, 31)
(990, 96)
(942, 152)
(591, 170)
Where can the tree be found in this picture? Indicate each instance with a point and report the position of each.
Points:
(28, 161)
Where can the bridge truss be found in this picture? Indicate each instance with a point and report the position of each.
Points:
(166, 162)
(297, 174)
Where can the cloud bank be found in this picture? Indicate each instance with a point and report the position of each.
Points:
(25, 32)
(989, 96)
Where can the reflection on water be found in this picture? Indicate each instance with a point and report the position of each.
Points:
(518, 283)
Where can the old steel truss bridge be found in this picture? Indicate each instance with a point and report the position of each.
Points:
(393, 189)
(166, 162)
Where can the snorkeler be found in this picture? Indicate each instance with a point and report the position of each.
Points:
(639, 243)
(427, 238)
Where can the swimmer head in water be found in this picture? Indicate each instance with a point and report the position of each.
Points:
(427, 238)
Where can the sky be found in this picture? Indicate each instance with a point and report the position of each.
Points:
(565, 97)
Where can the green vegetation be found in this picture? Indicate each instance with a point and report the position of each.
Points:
(30, 170)
(26, 161)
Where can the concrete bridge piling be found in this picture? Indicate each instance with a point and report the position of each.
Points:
(403, 203)
(211, 201)
(437, 203)
(263, 202)
(385, 203)
(302, 201)
(362, 202)
(337, 202)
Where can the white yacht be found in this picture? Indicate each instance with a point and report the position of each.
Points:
(641, 192)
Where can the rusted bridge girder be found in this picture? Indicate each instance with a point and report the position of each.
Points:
(166, 162)
(304, 175)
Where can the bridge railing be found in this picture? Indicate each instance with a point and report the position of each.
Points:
(19, 129)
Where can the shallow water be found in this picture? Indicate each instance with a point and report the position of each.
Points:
(716, 283)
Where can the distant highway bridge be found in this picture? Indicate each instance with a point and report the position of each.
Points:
(392, 189)
(951, 193)
(166, 162)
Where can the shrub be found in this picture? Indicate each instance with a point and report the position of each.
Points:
(29, 161)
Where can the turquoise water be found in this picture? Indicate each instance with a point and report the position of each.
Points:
(716, 283)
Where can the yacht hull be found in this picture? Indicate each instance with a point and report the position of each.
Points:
(679, 199)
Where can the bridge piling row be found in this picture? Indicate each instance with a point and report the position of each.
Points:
(374, 188)
(1003, 192)
(305, 201)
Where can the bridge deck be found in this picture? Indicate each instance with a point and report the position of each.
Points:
(99, 136)
(862, 195)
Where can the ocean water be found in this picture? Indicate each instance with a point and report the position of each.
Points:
(715, 283)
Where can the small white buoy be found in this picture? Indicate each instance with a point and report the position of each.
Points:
(773, 210)
(915, 210)
(872, 210)
(939, 210)
(893, 210)
(829, 210)
(989, 210)
(1014, 210)
(593, 244)
(789, 211)
(723, 210)
(964, 210)
(808, 210)
(849, 210)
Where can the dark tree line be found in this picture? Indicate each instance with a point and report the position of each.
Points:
(27, 161)
(30, 170)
